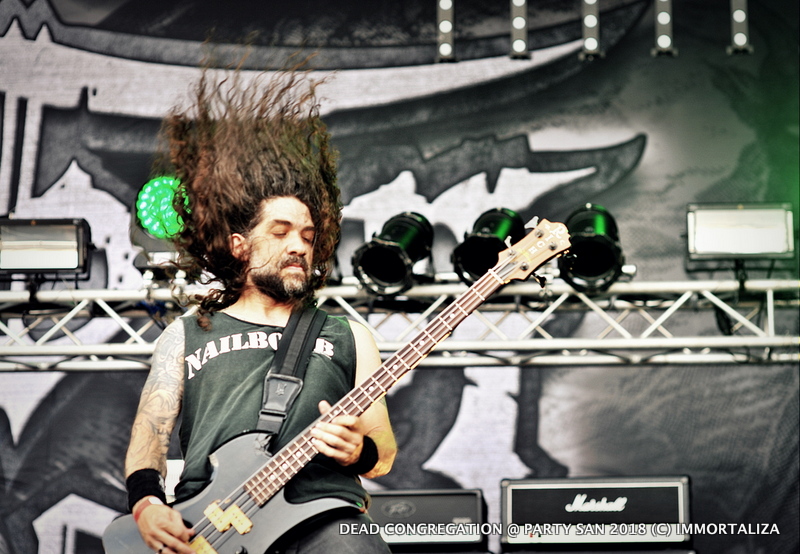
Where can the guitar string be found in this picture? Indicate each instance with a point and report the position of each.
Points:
(382, 388)
(367, 389)
(439, 327)
(271, 482)
(415, 344)
(251, 496)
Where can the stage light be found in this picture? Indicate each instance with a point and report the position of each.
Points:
(445, 22)
(740, 28)
(663, 26)
(385, 265)
(154, 209)
(479, 251)
(153, 224)
(519, 29)
(596, 259)
(44, 247)
(739, 231)
(590, 20)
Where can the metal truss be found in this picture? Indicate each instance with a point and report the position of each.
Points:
(644, 323)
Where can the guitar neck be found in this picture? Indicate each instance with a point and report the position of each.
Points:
(295, 455)
(543, 243)
(410, 355)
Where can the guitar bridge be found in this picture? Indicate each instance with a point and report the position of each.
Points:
(224, 519)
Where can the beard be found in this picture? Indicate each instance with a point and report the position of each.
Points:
(269, 281)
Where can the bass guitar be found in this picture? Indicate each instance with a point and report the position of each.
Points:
(243, 510)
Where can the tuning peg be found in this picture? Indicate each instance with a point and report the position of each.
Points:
(533, 222)
(540, 279)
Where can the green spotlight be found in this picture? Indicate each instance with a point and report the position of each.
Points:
(480, 250)
(154, 208)
(596, 257)
(385, 264)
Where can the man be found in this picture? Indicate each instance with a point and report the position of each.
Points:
(260, 211)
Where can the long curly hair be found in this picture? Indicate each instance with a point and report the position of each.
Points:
(242, 141)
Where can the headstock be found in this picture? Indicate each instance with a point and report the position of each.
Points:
(544, 242)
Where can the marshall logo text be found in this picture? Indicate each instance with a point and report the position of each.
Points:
(580, 504)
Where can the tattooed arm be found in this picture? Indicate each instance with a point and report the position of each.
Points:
(159, 405)
(161, 527)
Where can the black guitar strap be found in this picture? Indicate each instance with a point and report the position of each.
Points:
(285, 378)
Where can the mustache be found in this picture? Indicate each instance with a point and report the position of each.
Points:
(294, 260)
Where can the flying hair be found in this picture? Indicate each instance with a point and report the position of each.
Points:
(242, 140)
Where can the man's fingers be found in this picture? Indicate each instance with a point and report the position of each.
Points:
(342, 426)
(341, 438)
(171, 544)
(337, 437)
(180, 547)
(167, 531)
(180, 535)
(330, 452)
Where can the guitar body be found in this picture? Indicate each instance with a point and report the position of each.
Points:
(234, 462)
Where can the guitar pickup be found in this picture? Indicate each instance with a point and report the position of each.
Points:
(224, 519)
(202, 546)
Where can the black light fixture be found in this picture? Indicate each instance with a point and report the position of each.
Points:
(156, 258)
(596, 259)
(479, 251)
(385, 264)
(44, 247)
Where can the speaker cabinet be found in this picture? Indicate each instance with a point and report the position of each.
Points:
(623, 513)
(451, 520)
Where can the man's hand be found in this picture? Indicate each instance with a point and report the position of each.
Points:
(163, 530)
(342, 439)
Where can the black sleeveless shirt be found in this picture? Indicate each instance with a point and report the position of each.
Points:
(223, 384)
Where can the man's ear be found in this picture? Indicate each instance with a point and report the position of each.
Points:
(239, 246)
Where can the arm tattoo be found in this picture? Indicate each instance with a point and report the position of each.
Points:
(159, 405)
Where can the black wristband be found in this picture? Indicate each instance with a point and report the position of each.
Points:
(144, 482)
(368, 458)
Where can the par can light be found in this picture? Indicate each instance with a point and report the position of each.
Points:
(481, 247)
(384, 265)
(596, 258)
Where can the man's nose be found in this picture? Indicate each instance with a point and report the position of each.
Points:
(297, 245)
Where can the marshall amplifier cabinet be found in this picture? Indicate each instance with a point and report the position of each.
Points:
(648, 511)
(448, 520)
